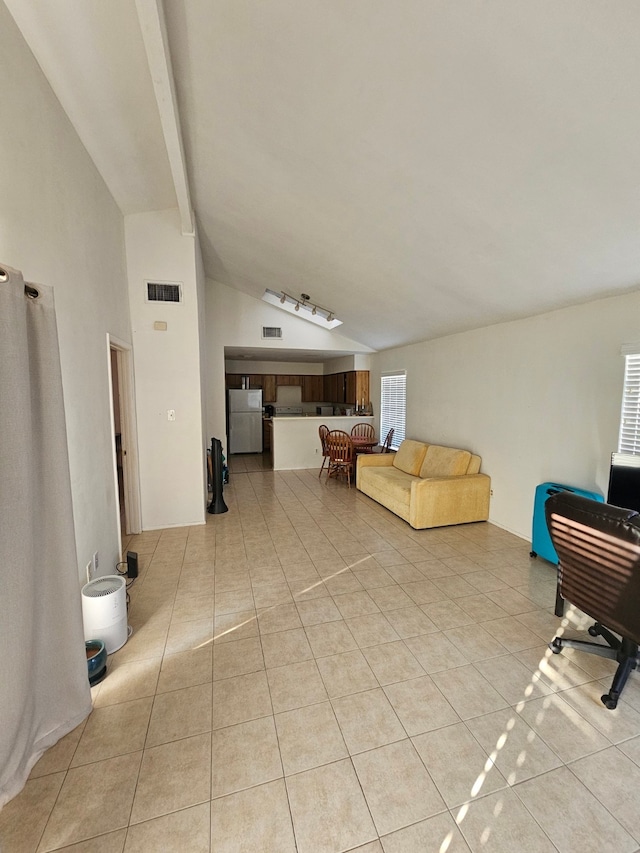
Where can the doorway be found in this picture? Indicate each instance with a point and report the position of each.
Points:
(124, 442)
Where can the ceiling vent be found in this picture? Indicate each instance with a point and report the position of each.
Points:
(164, 291)
(271, 332)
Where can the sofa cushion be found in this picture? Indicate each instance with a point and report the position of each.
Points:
(474, 464)
(444, 462)
(389, 487)
(410, 456)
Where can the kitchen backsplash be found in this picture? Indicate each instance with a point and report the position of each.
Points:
(289, 395)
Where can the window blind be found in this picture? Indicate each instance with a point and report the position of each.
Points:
(629, 441)
(393, 406)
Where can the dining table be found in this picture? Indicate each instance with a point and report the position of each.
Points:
(362, 444)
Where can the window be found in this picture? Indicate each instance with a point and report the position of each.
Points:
(393, 406)
(629, 441)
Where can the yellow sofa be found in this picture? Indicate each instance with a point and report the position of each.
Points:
(425, 484)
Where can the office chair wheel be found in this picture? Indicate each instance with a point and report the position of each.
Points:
(532, 554)
(609, 701)
(593, 630)
(556, 646)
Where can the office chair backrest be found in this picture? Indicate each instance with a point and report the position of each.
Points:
(599, 550)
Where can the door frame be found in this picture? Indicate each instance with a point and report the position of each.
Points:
(129, 435)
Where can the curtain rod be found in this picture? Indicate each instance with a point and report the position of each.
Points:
(29, 290)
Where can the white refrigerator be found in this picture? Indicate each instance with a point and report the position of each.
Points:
(245, 421)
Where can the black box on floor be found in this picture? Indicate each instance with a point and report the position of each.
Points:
(132, 564)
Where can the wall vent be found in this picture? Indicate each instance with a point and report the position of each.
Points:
(164, 291)
(271, 332)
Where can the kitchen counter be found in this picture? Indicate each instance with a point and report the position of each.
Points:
(295, 440)
(322, 418)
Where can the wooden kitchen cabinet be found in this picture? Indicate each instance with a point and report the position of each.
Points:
(362, 387)
(330, 388)
(234, 380)
(357, 388)
(348, 389)
(312, 389)
(269, 388)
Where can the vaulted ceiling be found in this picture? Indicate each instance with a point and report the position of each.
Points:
(422, 167)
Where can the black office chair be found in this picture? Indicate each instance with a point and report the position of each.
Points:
(599, 571)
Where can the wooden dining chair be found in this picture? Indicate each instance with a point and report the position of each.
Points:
(341, 455)
(366, 431)
(385, 447)
(363, 430)
(323, 432)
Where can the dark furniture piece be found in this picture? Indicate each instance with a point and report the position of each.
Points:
(385, 447)
(624, 481)
(364, 437)
(342, 456)
(599, 571)
(217, 504)
(541, 545)
(323, 432)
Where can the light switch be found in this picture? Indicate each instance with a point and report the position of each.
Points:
(160, 326)
(171, 414)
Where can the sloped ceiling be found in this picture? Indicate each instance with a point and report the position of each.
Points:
(422, 167)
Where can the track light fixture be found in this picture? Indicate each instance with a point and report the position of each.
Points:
(304, 301)
(310, 310)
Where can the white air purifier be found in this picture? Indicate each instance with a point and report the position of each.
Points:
(104, 611)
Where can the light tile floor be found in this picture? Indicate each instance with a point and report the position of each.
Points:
(307, 673)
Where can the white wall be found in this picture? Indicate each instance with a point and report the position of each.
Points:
(280, 367)
(235, 319)
(202, 357)
(296, 442)
(347, 362)
(333, 365)
(167, 372)
(538, 399)
(60, 226)
(361, 361)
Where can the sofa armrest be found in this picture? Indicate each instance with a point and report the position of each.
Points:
(374, 460)
(439, 501)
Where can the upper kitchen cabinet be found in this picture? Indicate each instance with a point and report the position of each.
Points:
(312, 389)
(251, 380)
(268, 388)
(330, 388)
(362, 391)
(234, 380)
(350, 389)
(346, 389)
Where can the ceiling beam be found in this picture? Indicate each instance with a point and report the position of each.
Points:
(154, 34)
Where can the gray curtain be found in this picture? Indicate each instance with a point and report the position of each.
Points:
(44, 690)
